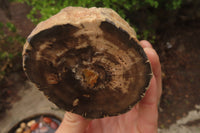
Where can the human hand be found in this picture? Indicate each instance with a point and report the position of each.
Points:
(142, 118)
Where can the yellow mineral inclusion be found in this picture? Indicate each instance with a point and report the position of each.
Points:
(90, 77)
(51, 78)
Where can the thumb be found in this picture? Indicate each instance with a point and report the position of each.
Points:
(72, 123)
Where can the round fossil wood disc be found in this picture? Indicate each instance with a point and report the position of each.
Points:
(87, 61)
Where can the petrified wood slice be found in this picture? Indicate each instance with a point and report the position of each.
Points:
(87, 61)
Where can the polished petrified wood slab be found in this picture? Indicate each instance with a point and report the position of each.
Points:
(87, 61)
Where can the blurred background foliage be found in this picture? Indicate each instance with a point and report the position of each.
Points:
(128, 9)
(10, 46)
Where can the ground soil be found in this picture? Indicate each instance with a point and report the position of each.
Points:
(15, 76)
(178, 48)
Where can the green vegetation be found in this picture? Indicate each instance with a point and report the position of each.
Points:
(48, 8)
(43, 9)
(10, 46)
(11, 27)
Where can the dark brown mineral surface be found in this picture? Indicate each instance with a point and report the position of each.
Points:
(87, 61)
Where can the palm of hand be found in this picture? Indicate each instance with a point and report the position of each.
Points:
(141, 119)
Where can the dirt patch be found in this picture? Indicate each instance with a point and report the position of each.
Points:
(19, 18)
(179, 50)
(14, 76)
(9, 88)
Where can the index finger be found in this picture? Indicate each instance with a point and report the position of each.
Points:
(155, 63)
